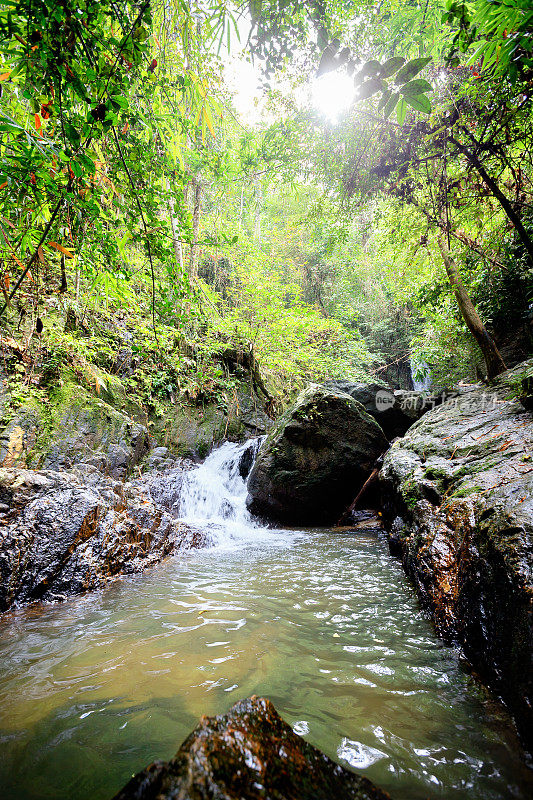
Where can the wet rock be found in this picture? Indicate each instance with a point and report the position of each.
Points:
(458, 504)
(248, 457)
(165, 485)
(250, 753)
(394, 409)
(66, 532)
(315, 460)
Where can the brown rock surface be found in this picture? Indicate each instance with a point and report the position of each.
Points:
(250, 753)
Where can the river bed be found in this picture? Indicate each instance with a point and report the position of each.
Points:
(323, 623)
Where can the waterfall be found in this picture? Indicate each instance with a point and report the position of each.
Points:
(213, 496)
(420, 375)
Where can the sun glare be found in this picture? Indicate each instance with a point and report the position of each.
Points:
(332, 94)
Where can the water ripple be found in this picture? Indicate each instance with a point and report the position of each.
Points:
(325, 626)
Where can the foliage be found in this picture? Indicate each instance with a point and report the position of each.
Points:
(498, 36)
(145, 229)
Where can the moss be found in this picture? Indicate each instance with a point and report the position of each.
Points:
(410, 493)
(467, 490)
(203, 448)
(437, 473)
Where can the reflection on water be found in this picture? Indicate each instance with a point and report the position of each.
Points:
(322, 623)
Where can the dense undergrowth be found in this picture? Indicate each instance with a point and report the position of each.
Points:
(159, 250)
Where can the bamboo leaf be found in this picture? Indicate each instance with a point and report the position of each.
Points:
(61, 249)
(209, 121)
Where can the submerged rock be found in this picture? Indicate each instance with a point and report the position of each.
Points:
(250, 753)
(316, 458)
(66, 532)
(394, 409)
(458, 504)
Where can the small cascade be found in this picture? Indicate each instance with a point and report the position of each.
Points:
(420, 375)
(213, 496)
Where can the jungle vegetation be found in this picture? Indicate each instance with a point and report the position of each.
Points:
(138, 206)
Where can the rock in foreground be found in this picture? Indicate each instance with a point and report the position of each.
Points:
(62, 533)
(315, 460)
(458, 502)
(248, 754)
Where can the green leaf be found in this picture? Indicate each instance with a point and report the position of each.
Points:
(76, 168)
(419, 102)
(411, 69)
(401, 111)
(390, 66)
(370, 87)
(122, 102)
(369, 70)
(87, 162)
(391, 105)
(384, 99)
(415, 87)
(72, 134)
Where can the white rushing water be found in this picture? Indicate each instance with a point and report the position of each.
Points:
(213, 497)
(420, 375)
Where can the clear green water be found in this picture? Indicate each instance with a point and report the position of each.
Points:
(322, 623)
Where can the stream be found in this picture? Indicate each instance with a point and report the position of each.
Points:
(324, 623)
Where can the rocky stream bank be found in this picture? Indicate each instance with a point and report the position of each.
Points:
(457, 501)
(457, 494)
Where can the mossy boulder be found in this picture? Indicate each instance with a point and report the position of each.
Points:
(193, 430)
(315, 460)
(250, 753)
(72, 427)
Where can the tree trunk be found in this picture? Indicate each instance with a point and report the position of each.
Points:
(258, 210)
(178, 252)
(241, 209)
(193, 257)
(500, 197)
(64, 285)
(491, 354)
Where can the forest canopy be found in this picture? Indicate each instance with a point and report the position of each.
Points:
(368, 216)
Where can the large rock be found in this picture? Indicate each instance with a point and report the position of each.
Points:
(77, 428)
(394, 409)
(458, 503)
(63, 533)
(315, 460)
(248, 754)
